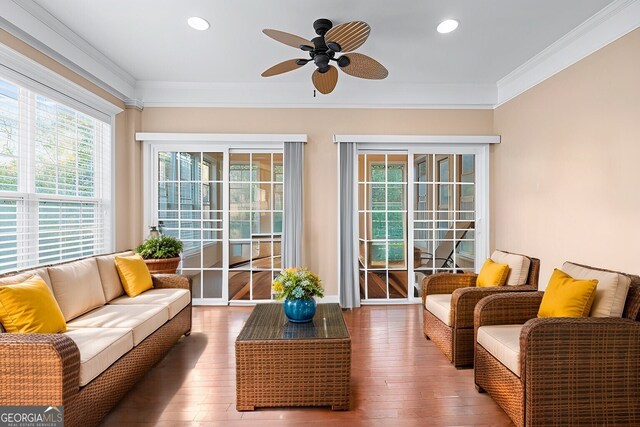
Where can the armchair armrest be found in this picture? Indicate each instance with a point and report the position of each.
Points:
(587, 368)
(163, 281)
(445, 283)
(513, 308)
(38, 369)
(464, 301)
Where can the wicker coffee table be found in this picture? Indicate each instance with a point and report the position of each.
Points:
(279, 363)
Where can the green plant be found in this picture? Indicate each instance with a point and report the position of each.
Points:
(297, 283)
(160, 247)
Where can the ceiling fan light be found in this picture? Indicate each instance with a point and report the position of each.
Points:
(198, 23)
(447, 26)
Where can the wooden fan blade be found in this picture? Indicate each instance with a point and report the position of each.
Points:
(350, 35)
(364, 67)
(288, 39)
(325, 82)
(282, 67)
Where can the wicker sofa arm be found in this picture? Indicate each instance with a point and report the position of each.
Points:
(464, 301)
(38, 369)
(163, 281)
(589, 365)
(511, 308)
(446, 283)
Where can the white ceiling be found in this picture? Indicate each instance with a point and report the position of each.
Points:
(150, 40)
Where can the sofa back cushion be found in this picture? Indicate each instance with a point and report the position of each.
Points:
(109, 277)
(13, 278)
(77, 287)
(611, 292)
(518, 266)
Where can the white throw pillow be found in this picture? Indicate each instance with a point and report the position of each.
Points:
(611, 292)
(518, 266)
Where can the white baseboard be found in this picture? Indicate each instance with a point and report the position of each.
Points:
(330, 298)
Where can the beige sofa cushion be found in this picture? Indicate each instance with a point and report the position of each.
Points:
(77, 287)
(174, 299)
(518, 266)
(503, 343)
(611, 292)
(109, 277)
(21, 277)
(143, 320)
(99, 349)
(440, 306)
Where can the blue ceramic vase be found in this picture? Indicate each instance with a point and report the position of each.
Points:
(299, 310)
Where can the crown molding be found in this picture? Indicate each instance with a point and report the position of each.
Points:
(26, 72)
(134, 103)
(354, 94)
(609, 24)
(34, 25)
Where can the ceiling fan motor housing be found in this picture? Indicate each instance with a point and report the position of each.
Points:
(321, 26)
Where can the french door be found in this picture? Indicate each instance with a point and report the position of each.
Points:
(421, 211)
(226, 205)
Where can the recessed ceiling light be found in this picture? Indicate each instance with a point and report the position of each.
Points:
(198, 23)
(447, 26)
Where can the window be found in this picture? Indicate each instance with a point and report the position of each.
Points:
(55, 181)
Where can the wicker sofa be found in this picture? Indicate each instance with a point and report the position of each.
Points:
(111, 340)
(448, 301)
(560, 371)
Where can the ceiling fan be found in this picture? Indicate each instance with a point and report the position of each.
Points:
(341, 39)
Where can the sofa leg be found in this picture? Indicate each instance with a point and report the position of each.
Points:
(480, 389)
(186, 334)
(427, 337)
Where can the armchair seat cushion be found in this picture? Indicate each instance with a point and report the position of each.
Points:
(143, 320)
(174, 299)
(99, 349)
(503, 343)
(440, 306)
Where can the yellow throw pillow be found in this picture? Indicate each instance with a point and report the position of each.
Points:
(567, 297)
(29, 307)
(134, 274)
(492, 274)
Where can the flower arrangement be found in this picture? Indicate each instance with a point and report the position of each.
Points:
(297, 283)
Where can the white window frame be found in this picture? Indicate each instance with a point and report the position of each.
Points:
(477, 145)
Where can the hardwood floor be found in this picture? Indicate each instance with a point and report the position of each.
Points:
(398, 379)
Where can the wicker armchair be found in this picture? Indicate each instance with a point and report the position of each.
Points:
(456, 339)
(572, 371)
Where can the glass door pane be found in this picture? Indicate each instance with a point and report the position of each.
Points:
(190, 190)
(255, 223)
(382, 211)
(444, 209)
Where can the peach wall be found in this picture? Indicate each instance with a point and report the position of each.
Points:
(321, 222)
(564, 180)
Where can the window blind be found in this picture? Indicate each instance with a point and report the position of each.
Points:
(55, 180)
